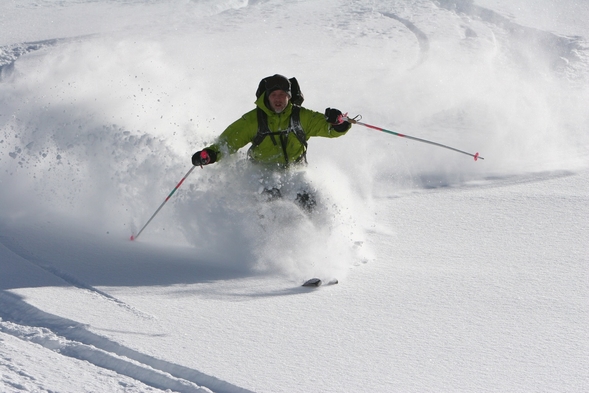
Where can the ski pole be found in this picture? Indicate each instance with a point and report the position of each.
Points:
(164, 202)
(353, 121)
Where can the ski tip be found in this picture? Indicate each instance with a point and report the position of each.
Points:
(317, 282)
(313, 282)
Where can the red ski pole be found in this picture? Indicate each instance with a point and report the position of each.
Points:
(164, 202)
(353, 121)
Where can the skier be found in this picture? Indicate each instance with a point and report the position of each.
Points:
(269, 126)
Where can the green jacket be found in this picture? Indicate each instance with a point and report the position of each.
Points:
(243, 131)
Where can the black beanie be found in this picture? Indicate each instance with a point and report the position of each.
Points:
(277, 82)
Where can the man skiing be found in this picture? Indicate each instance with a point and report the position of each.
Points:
(275, 146)
(277, 129)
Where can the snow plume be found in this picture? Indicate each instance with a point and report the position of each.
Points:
(489, 85)
(87, 132)
(235, 208)
(100, 129)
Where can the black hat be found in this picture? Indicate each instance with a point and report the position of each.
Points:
(273, 83)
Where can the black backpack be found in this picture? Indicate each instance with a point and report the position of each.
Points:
(295, 127)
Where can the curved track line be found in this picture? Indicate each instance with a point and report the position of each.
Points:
(74, 340)
(421, 37)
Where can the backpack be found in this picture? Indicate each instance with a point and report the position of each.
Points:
(295, 126)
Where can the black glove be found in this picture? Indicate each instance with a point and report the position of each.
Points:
(335, 117)
(204, 157)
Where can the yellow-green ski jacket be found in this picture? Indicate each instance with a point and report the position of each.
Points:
(270, 150)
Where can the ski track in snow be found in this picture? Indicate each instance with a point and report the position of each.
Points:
(422, 38)
(73, 281)
(73, 339)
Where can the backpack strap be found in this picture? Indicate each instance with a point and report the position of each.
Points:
(263, 129)
(295, 127)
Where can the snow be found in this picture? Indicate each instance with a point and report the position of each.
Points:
(454, 275)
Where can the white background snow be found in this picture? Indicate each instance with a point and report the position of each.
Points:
(455, 275)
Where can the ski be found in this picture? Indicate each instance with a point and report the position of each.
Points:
(317, 282)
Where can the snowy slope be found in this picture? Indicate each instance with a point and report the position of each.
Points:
(454, 275)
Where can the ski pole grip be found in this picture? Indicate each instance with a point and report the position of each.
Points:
(353, 120)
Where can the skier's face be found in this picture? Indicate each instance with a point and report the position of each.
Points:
(278, 100)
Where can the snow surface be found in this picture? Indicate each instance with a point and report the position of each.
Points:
(454, 275)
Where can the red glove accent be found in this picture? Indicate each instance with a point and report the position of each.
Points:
(205, 159)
